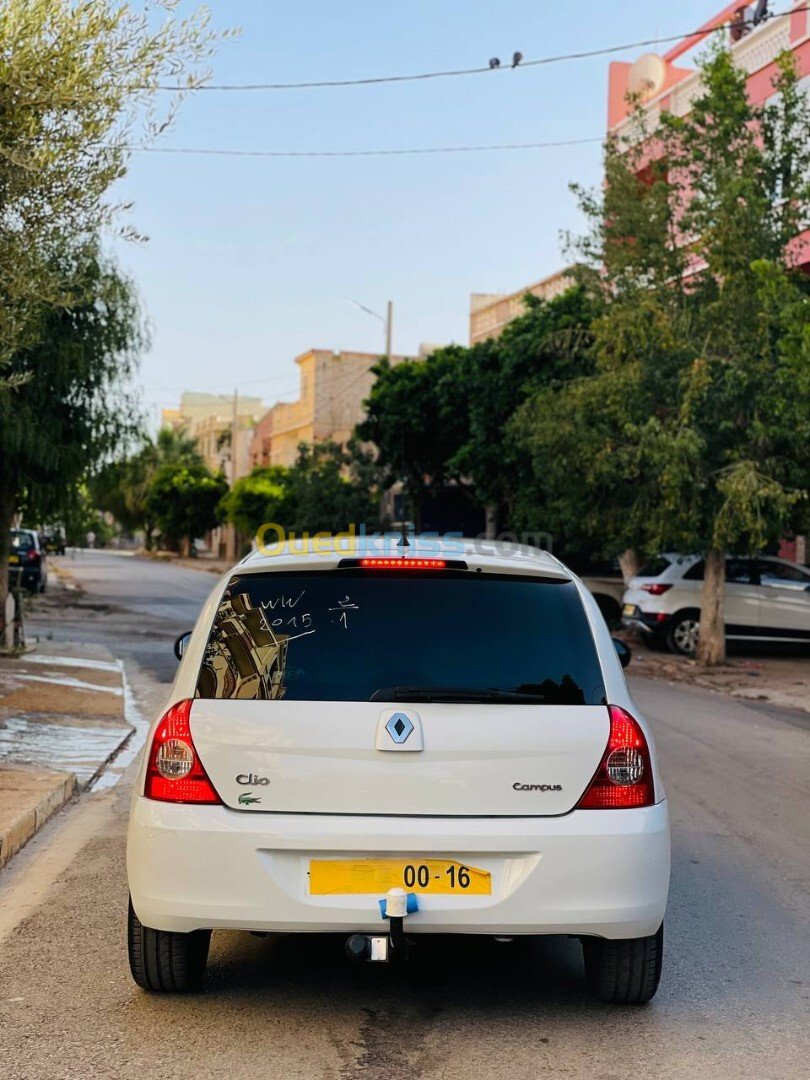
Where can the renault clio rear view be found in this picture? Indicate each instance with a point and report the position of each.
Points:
(392, 748)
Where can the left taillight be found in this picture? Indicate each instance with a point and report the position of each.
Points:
(175, 772)
(624, 778)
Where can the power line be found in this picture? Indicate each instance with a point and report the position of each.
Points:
(396, 152)
(456, 72)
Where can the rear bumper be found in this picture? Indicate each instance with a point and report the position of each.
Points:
(651, 623)
(599, 872)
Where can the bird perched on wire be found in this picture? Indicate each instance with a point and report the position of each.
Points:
(516, 58)
(494, 63)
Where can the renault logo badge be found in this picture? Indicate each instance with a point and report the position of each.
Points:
(399, 731)
(399, 727)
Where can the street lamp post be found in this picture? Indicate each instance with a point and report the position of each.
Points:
(387, 320)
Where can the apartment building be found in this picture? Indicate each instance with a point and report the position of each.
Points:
(491, 312)
(333, 387)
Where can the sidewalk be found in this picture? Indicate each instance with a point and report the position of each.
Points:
(61, 722)
(206, 563)
(783, 680)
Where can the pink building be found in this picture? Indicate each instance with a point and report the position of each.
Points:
(664, 86)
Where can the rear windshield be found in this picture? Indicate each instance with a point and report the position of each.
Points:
(655, 566)
(21, 540)
(357, 636)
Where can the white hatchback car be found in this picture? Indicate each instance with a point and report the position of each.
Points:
(389, 748)
(767, 599)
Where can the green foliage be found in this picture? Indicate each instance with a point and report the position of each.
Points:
(328, 488)
(121, 487)
(257, 499)
(83, 517)
(416, 417)
(184, 501)
(446, 418)
(76, 410)
(331, 488)
(77, 85)
(548, 345)
(693, 431)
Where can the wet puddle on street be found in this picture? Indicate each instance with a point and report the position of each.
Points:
(77, 748)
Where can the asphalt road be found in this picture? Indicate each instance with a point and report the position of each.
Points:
(135, 606)
(734, 1000)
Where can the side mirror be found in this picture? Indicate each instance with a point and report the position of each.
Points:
(622, 651)
(181, 644)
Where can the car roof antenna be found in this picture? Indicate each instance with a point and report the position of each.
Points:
(403, 541)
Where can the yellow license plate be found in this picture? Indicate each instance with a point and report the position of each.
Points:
(14, 558)
(376, 876)
(629, 609)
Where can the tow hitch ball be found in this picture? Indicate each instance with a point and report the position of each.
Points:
(380, 948)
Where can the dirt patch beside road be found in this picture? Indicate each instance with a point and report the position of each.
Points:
(783, 680)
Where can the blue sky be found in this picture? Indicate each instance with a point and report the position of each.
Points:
(249, 261)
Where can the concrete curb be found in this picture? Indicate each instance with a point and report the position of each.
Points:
(203, 563)
(56, 790)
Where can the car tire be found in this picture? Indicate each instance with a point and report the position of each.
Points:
(624, 972)
(164, 961)
(682, 633)
(43, 583)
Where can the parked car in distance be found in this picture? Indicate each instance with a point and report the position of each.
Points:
(608, 592)
(603, 579)
(766, 599)
(27, 557)
(395, 748)
(53, 542)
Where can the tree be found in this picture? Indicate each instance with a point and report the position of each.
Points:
(258, 499)
(70, 408)
(121, 487)
(447, 417)
(77, 87)
(415, 423)
(548, 344)
(332, 487)
(185, 501)
(691, 432)
(329, 488)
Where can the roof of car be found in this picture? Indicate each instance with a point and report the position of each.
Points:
(678, 561)
(491, 555)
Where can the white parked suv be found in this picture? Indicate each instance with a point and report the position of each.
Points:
(394, 747)
(766, 599)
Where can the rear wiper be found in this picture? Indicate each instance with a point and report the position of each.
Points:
(461, 694)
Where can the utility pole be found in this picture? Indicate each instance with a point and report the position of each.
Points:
(235, 439)
(231, 535)
(389, 329)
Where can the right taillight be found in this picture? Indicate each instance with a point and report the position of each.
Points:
(656, 588)
(624, 777)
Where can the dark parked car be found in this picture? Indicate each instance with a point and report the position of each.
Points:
(27, 557)
(53, 542)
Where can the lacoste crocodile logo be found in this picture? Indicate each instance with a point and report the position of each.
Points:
(245, 799)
